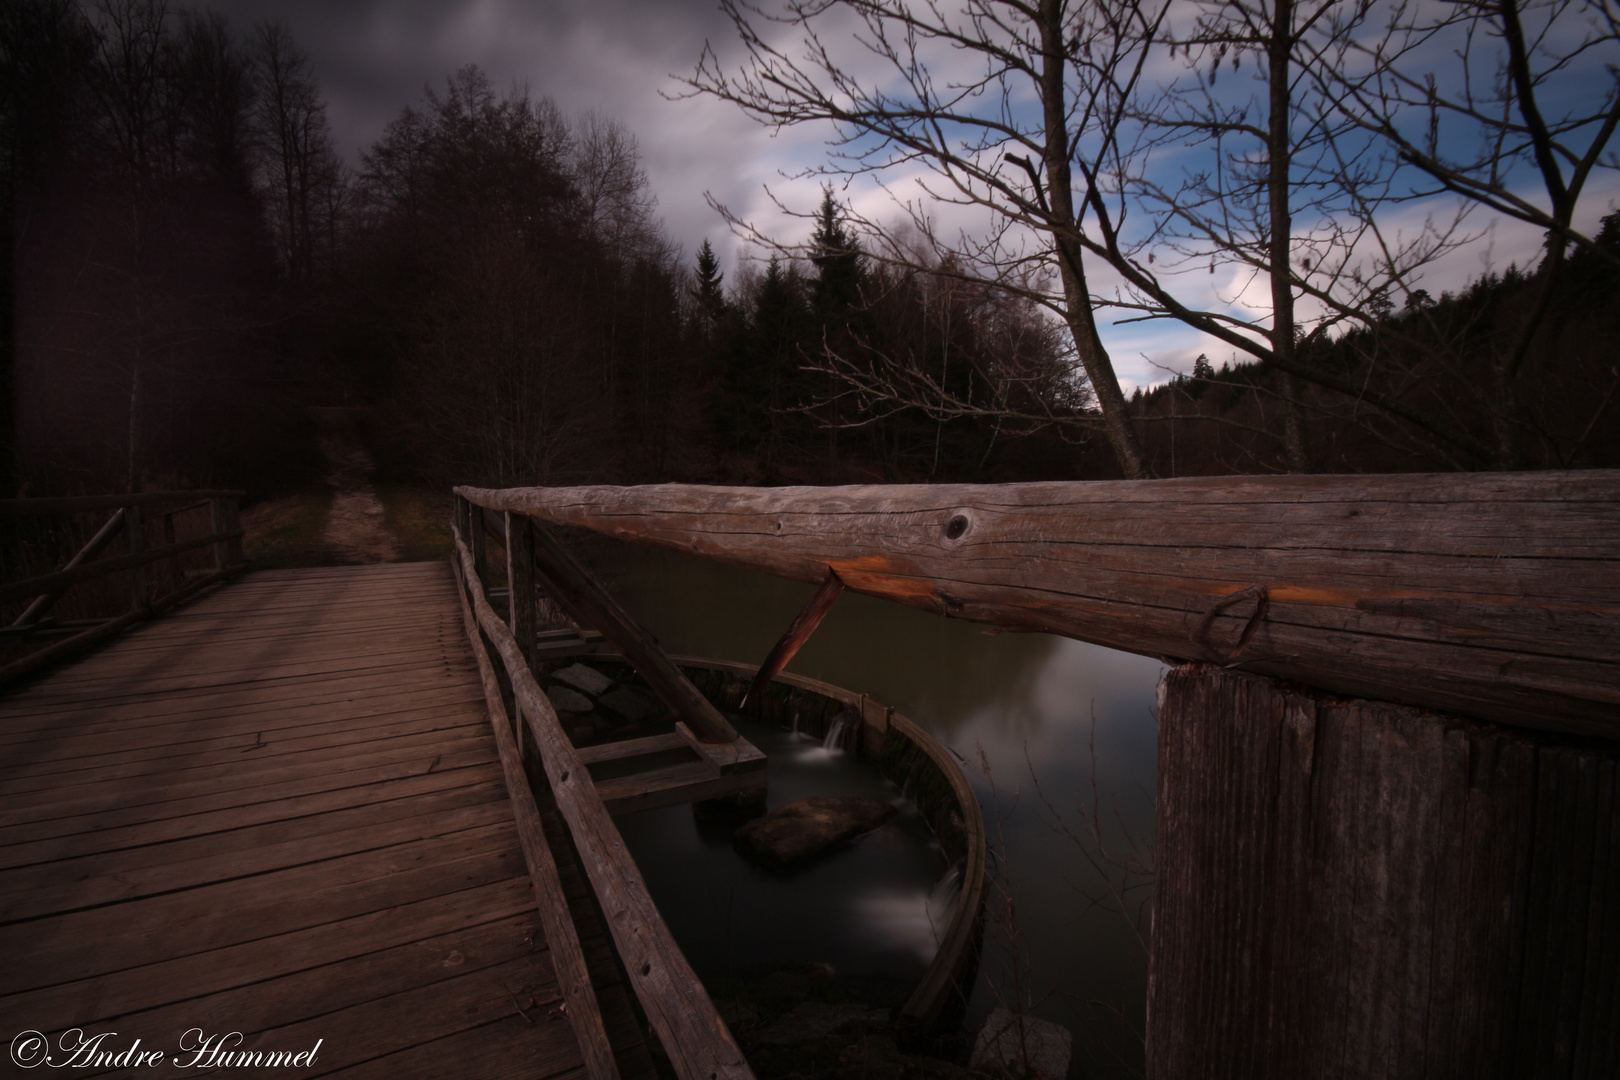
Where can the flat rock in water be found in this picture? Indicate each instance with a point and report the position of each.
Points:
(566, 700)
(584, 678)
(807, 828)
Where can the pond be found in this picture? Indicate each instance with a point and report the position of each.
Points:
(1059, 737)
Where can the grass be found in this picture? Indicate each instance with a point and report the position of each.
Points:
(286, 532)
(420, 517)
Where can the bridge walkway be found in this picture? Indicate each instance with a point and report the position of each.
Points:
(280, 812)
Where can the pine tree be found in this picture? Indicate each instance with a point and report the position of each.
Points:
(836, 255)
(711, 301)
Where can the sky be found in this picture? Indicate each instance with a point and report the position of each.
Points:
(622, 59)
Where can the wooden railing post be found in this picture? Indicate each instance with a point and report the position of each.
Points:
(216, 512)
(475, 539)
(462, 510)
(520, 582)
(233, 524)
(135, 538)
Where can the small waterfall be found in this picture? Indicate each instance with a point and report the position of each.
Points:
(835, 736)
(942, 901)
(795, 723)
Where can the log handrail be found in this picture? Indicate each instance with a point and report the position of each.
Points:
(699, 1045)
(72, 504)
(568, 957)
(1493, 595)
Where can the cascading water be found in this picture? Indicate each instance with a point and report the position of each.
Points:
(866, 909)
(942, 901)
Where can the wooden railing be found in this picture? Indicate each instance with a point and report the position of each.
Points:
(133, 517)
(678, 1008)
(1494, 595)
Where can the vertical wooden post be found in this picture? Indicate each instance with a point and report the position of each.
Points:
(520, 601)
(216, 513)
(475, 539)
(135, 538)
(520, 582)
(462, 517)
(1353, 888)
(233, 521)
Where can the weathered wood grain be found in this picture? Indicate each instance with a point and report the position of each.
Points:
(584, 1015)
(798, 632)
(699, 1045)
(1496, 596)
(286, 840)
(1350, 889)
(199, 978)
(589, 605)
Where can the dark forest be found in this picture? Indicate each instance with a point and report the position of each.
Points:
(191, 266)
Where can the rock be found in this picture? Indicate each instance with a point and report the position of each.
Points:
(584, 678)
(566, 700)
(1007, 1043)
(628, 703)
(803, 830)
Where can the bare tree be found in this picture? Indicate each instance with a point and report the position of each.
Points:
(302, 175)
(614, 192)
(1510, 104)
(893, 107)
(1041, 113)
(1285, 194)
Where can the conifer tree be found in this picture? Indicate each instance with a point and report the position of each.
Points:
(711, 301)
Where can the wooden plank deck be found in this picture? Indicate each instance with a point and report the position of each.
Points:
(280, 812)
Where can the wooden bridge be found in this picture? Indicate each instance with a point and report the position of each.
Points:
(296, 810)
(304, 808)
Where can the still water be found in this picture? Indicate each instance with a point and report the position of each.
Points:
(1059, 737)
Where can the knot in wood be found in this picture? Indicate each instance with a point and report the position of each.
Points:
(1200, 634)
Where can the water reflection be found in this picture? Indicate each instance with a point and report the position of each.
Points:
(952, 670)
(1065, 734)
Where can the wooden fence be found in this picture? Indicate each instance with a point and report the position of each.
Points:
(677, 1007)
(1425, 883)
(153, 564)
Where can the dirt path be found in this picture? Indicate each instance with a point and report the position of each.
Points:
(355, 530)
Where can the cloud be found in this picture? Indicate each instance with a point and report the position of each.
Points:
(622, 59)
(614, 57)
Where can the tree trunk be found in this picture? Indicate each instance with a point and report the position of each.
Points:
(1279, 182)
(1356, 889)
(1122, 435)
